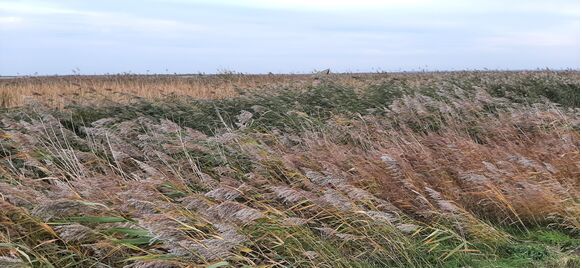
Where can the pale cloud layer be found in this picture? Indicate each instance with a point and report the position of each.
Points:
(258, 36)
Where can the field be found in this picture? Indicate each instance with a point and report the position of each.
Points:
(450, 169)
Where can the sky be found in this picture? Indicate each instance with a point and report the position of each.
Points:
(286, 36)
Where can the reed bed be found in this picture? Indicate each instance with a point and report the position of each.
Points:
(466, 169)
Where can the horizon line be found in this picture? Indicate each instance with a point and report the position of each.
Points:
(233, 72)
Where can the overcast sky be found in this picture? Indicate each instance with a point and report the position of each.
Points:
(259, 36)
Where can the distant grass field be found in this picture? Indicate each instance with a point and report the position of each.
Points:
(58, 91)
(462, 169)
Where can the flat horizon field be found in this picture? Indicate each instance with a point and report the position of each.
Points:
(418, 169)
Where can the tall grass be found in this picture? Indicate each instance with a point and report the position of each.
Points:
(415, 170)
(57, 91)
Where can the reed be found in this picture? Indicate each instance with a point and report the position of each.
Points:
(475, 169)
